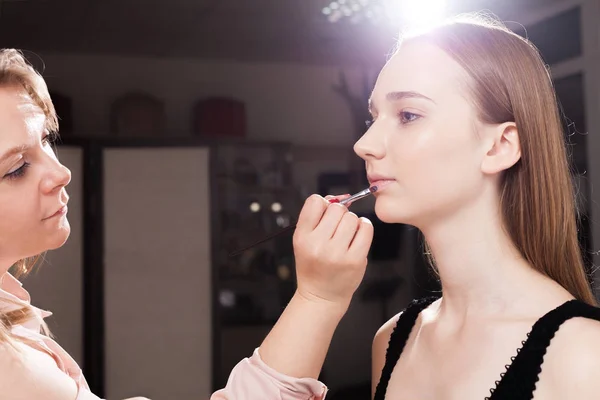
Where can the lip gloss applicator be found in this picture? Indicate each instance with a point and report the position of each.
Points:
(357, 196)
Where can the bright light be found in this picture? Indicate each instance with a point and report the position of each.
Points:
(415, 14)
(254, 207)
(409, 14)
(276, 207)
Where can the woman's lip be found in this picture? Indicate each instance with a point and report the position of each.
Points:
(61, 211)
(381, 183)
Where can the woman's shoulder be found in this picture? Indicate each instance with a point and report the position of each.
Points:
(573, 357)
(31, 374)
(382, 338)
(384, 333)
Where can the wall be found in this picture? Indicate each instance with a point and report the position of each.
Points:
(591, 61)
(284, 102)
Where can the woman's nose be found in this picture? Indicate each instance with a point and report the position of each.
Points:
(371, 145)
(57, 178)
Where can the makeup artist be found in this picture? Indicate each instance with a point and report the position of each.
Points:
(331, 247)
(33, 219)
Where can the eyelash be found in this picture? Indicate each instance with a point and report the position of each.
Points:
(20, 172)
(403, 119)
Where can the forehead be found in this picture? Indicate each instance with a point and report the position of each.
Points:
(20, 117)
(425, 68)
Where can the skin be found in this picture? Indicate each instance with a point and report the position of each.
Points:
(29, 195)
(444, 166)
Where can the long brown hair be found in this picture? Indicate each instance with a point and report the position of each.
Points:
(510, 82)
(16, 72)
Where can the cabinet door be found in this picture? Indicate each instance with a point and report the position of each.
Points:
(157, 273)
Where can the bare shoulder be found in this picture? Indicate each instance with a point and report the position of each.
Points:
(382, 337)
(380, 345)
(573, 359)
(26, 373)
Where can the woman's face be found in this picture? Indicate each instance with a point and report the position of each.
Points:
(32, 181)
(422, 149)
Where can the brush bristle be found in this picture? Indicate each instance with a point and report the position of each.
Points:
(373, 189)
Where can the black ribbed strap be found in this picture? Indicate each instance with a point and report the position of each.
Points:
(398, 340)
(520, 379)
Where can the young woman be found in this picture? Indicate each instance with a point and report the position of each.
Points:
(466, 145)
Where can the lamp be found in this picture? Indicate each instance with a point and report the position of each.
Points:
(416, 14)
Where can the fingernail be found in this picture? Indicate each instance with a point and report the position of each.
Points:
(334, 201)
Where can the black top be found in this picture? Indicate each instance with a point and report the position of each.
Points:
(521, 376)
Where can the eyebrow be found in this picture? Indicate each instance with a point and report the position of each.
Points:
(15, 150)
(409, 94)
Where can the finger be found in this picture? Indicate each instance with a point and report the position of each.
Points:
(311, 213)
(330, 221)
(361, 243)
(346, 230)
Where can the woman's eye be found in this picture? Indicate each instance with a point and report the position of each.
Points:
(407, 117)
(17, 173)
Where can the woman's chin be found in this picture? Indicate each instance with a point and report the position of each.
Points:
(60, 237)
(389, 212)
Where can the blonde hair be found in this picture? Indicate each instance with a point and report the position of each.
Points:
(16, 72)
(510, 82)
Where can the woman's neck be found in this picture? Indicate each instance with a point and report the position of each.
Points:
(5, 266)
(480, 269)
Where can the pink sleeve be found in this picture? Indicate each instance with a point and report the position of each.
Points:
(252, 379)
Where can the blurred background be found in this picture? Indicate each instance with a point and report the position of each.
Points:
(194, 127)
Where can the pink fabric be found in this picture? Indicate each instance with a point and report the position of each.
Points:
(12, 290)
(252, 379)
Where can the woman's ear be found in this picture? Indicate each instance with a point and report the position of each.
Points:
(504, 148)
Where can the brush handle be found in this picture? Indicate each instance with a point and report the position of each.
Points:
(266, 239)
